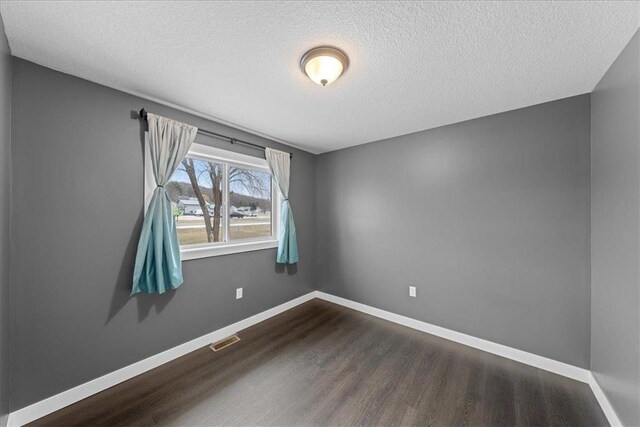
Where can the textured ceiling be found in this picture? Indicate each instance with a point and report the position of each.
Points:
(413, 66)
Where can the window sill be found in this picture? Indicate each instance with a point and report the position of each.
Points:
(187, 254)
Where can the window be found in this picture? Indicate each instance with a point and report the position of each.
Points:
(222, 202)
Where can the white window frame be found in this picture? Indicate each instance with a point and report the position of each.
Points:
(228, 158)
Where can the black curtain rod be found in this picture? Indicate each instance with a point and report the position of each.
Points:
(143, 115)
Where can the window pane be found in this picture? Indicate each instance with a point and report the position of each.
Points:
(195, 191)
(249, 203)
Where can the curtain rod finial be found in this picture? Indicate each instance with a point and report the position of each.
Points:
(143, 114)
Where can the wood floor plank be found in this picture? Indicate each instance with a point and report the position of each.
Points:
(323, 364)
(529, 401)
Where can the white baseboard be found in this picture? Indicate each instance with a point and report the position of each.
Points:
(561, 368)
(604, 402)
(66, 398)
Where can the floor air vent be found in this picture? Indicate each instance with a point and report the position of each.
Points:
(224, 343)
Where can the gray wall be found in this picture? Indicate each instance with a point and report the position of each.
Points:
(615, 233)
(76, 216)
(489, 218)
(5, 157)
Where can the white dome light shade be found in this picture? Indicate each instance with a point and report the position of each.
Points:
(323, 70)
(324, 64)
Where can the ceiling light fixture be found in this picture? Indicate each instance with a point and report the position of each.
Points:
(324, 64)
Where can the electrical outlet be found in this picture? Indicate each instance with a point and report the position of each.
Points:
(239, 293)
(412, 291)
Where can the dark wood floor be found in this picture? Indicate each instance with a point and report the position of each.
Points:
(322, 364)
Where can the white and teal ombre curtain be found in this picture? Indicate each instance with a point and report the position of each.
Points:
(280, 163)
(158, 268)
